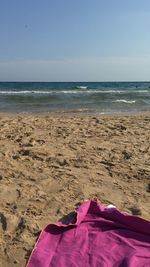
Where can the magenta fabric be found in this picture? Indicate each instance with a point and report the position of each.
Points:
(99, 237)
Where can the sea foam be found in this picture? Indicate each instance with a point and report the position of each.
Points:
(125, 101)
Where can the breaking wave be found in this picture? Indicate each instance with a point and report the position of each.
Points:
(125, 101)
(81, 91)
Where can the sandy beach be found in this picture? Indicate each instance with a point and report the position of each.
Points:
(49, 164)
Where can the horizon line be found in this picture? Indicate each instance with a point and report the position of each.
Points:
(75, 81)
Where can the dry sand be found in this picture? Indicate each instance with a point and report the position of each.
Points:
(49, 164)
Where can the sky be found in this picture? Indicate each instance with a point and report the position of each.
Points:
(74, 40)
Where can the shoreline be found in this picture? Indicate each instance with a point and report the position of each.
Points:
(74, 114)
(50, 163)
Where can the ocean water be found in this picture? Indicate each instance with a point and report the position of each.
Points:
(75, 97)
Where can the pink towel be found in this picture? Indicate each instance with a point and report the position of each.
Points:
(99, 237)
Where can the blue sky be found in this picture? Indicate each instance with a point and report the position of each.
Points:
(74, 40)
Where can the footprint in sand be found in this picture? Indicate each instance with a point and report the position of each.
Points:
(3, 221)
(135, 210)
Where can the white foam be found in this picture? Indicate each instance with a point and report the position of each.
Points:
(23, 92)
(125, 101)
(83, 91)
(57, 92)
(141, 91)
(82, 87)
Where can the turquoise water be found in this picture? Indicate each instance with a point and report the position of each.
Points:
(72, 97)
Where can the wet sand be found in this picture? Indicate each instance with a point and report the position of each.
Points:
(49, 164)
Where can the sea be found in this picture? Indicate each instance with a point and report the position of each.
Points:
(75, 97)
